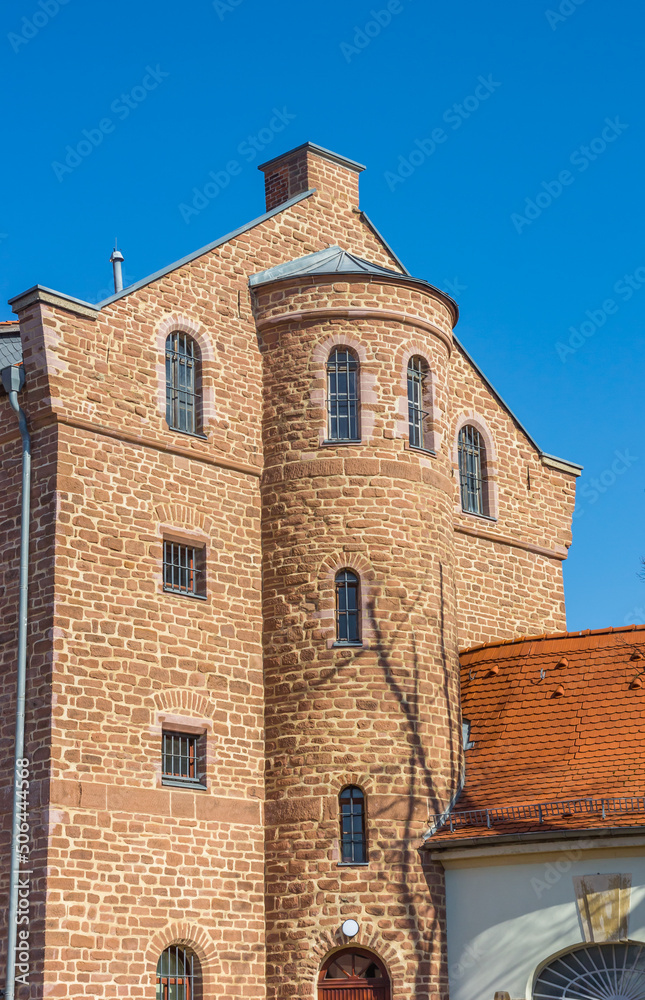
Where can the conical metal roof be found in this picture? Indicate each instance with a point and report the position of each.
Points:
(333, 260)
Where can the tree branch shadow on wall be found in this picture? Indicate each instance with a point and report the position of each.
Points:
(423, 912)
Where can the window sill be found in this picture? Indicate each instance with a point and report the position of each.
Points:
(423, 451)
(182, 593)
(188, 786)
(340, 442)
(190, 434)
(478, 517)
(345, 645)
(352, 864)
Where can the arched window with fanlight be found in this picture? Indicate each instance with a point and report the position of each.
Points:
(612, 971)
(472, 464)
(353, 836)
(347, 607)
(183, 383)
(418, 414)
(342, 396)
(178, 974)
(353, 974)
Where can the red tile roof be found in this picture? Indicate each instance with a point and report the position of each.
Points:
(553, 719)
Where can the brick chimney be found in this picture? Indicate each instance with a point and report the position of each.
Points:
(310, 166)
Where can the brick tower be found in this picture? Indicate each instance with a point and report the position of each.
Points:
(380, 715)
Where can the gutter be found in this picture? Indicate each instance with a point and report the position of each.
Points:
(13, 379)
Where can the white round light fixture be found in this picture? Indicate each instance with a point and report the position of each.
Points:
(350, 928)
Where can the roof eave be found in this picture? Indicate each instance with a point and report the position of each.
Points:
(535, 837)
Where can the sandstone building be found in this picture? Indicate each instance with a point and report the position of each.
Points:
(272, 496)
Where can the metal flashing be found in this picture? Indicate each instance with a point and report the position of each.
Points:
(327, 154)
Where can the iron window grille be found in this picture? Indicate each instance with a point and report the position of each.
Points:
(417, 416)
(183, 569)
(181, 758)
(182, 383)
(178, 975)
(352, 825)
(471, 481)
(342, 396)
(347, 620)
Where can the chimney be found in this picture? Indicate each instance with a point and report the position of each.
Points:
(310, 166)
(116, 260)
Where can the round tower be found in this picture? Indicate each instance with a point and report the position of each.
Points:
(363, 733)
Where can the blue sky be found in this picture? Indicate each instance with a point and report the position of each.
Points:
(524, 196)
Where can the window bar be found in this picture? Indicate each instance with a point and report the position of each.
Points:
(417, 416)
(181, 382)
(342, 396)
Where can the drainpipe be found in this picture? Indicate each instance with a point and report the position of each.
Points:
(13, 380)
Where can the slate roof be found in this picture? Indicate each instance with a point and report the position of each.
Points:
(554, 719)
(333, 260)
(10, 346)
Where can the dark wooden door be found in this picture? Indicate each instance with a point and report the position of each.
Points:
(353, 974)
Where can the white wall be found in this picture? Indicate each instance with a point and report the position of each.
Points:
(505, 919)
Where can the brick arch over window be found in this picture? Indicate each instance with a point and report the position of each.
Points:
(325, 944)
(368, 591)
(432, 436)
(470, 418)
(367, 395)
(184, 517)
(184, 324)
(195, 938)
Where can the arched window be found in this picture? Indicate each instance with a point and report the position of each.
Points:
(183, 389)
(178, 974)
(342, 396)
(354, 974)
(472, 460)
(353, 841)
(418, 417)
(347, 620)
(595, 971)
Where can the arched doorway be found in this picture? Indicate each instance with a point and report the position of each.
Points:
(353, 974)
(594, 972)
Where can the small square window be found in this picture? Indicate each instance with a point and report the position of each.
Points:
(184, 569)
(182, 759)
